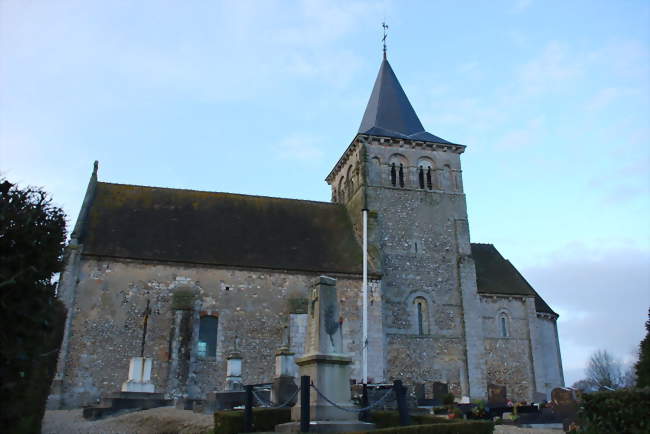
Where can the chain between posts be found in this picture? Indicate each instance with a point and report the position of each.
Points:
(269, 404)
(354, 410)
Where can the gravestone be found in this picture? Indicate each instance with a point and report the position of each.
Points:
(565, 405)
(497, 395)
(284, 389)
(233, 369)
(419, 391)
(139, 376)
(440, 390)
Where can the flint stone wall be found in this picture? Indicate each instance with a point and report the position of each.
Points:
(107, 327)
(415, 241)
(508, 359)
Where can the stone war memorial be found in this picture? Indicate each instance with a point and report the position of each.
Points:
(327, 367)
(227, 284)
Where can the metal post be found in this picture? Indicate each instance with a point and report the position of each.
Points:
(248, 409)
(364, 415)
(364, 341)
(402, 407)
(304, 403)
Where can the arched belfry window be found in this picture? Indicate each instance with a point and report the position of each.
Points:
(350, 182)
(503, 324)
(207, 346)
(398, 165)
(421, 316)
(425, 167)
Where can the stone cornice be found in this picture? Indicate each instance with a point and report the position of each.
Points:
(391, 142)
(545, 315)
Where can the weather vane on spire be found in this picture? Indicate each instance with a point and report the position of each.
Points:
(385, 26)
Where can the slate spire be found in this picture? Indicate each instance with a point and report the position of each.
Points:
(389, 112)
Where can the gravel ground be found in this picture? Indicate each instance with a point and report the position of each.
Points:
(169, 420)
(163, 420)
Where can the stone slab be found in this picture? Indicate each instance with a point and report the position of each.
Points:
(119, 401)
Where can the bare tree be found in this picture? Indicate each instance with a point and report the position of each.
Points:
(584, 386)
(604, 371)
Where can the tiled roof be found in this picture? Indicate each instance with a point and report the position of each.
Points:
(497, 275)
(199, 227)
(389, 112)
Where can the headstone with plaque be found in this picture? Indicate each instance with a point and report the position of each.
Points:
(440, 390)
(564, 404)
(497, 395)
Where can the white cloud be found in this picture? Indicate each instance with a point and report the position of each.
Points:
(603, 295)
(522, 137)
(299, 147)
(553, 68)
(520, 6)
(603, 98)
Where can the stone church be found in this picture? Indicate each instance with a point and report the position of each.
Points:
(211, 269)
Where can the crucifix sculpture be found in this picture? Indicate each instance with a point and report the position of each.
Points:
(145, 314)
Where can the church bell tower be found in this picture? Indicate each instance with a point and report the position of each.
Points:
(410, 181)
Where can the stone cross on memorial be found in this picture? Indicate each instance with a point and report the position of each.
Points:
(324, 331)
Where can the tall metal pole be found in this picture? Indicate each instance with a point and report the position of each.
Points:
(365, 298)
(364, 342)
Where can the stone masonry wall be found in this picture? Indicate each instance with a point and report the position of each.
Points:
(252, 304)
(415, 243)
(508, 359)
(549, 354)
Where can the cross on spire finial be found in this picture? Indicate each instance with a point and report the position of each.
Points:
(385, 27)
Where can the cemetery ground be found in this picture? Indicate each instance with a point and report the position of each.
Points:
(170, 420)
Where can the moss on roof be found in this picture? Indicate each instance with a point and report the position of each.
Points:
(497, 275)
(152, 223)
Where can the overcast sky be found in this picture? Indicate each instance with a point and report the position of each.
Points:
(552, 99)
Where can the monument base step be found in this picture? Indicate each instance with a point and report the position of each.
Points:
(327, 426)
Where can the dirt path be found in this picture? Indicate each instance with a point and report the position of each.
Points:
(164, 420)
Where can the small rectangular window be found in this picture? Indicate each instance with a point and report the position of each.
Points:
(207, 346)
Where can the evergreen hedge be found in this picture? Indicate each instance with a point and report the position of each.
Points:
(264, 419)
(32, 237)
(449, 427)
(386, 419)
(624, 411)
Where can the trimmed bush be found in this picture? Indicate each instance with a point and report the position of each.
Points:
(618, 411)
(384, 419)
(462, 427)
(229, 421)
(387, 419)
(264, 419)
(429, 419)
